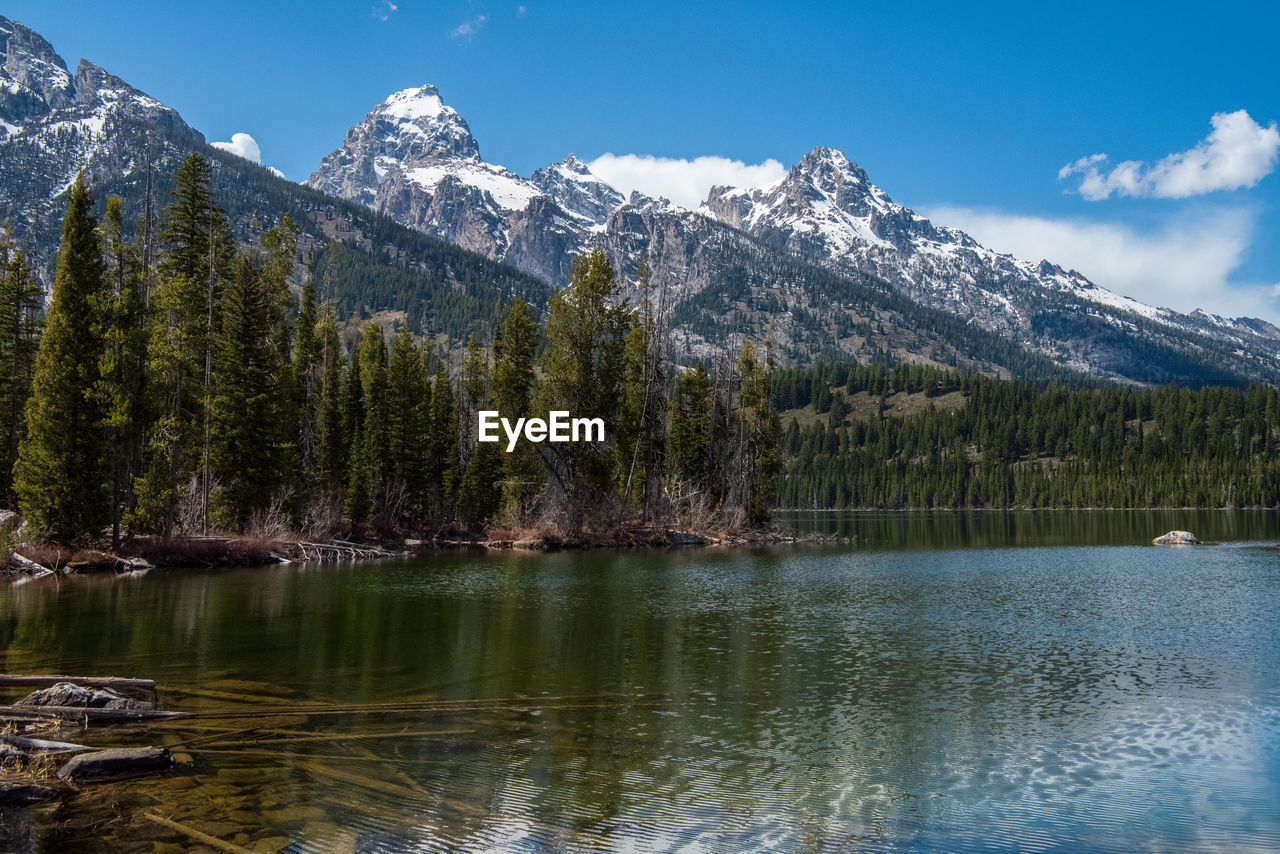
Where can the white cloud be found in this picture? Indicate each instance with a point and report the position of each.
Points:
(274, 171)
(384, 9)
(1237, 153)
(685, 182)
(468, 28)
(1184, 264)
(241, 145)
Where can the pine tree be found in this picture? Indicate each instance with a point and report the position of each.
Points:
(331, 442)
(759, 432)
(511, 394)
(691, 430)
(60, 476)
(443, 457)
(244, 405)
(21, 302)
(121, 386)
(586, 335)
(406, 430)
(371, 358)
(479, 492)
(197, 257)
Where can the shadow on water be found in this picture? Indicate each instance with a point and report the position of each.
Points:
(952, 682)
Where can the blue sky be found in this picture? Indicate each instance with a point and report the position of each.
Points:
(968, 115)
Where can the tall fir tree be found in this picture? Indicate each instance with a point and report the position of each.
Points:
(21, 307)
(583, 363)
(759, 431)
(61, 473)
(442, 446)
(197, 258)
(514, 344)
(406, 431)
(479, 489)
(245, 403)
(122, 384)
(691, 430)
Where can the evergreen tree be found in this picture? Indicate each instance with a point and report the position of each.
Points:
(61, 471)
(121, 386)
(511, 394)
(371, 358)
(443, 457)
(406, 430)
(331, 441)
(759, 432)
(21, 303)
(691, 430)
(479, 490)
(244, 406)
(586, 335)
(197, 257)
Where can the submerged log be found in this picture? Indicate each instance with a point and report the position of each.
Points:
(198, 835)
(76, 713)
(115, 764)
(25, 794)
(42, 681)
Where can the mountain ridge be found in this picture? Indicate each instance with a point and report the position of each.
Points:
(822, 262)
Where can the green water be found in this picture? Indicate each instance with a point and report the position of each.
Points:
(942, 682)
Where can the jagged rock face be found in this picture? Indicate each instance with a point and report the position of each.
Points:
(577, 191)
(414, 159)
(53, 125)
(33, 78)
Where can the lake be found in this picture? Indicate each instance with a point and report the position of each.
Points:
(1037, 681)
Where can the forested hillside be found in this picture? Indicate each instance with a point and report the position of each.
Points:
(914, 437)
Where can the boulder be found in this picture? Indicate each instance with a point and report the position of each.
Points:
(74, 696)
(115, 764)
(1177, 538)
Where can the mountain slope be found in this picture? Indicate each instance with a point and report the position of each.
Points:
(55, 124)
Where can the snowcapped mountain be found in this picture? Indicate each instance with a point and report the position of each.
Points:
(54, 124)
(414, 158)
(822, 261)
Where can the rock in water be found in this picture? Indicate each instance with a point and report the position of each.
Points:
(115, 764)
(1177, 538)
(67, 694)
(25, 794)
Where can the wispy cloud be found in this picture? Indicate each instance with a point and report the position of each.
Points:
(520, 10)
(384, 10)
(468, 28)
(685, 182)
(1237, 153)
(1189, 261)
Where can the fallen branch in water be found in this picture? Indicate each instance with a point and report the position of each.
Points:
(77, 713)
(192, 833)
(89, 681)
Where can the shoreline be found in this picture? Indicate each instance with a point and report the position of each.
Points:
(40, 559)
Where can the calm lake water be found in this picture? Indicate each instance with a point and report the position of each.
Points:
(943, 682)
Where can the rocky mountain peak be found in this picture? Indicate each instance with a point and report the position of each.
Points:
(33, 78)
(417, 125)
(577, 190)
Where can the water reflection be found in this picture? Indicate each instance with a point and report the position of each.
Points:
(811, 699)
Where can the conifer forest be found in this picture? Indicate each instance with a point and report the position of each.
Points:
(176, 383)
